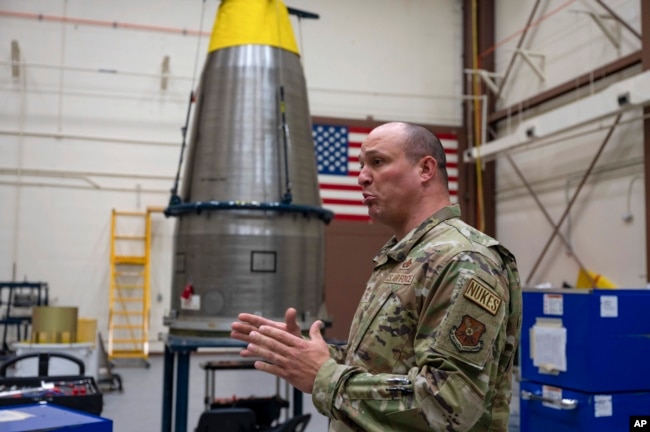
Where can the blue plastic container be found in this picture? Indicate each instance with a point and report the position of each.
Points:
(43, 416)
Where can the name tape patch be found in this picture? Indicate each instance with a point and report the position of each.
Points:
(482, 296)
(400, 278)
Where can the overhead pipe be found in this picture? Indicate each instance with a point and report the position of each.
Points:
(78, 174)
(59, 135)
(102, 23)
(79, 187)
(97, 70)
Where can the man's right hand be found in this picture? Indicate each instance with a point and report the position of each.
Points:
(249, 322)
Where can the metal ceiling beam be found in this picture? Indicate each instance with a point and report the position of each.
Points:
(573, 84)
(619, 97)
(548, 217)
(573, 199)
(642, 57)
(506, 74)
(619, 19)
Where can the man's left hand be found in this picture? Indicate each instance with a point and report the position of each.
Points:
(294, 359)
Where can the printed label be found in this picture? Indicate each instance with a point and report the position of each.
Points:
(609, 307)
(192, 303)
(553, 304)
(482, 296)
(603, 406)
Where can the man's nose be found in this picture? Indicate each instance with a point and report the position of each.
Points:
(364, 178)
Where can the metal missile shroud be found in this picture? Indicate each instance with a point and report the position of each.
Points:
(249, 234)
(177, 209)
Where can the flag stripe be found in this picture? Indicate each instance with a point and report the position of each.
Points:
(337, 153)
(339, 187)
(447, 136)
(331, 201)
(339, 209)
(350, 195)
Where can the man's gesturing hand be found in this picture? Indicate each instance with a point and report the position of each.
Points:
(290, 357)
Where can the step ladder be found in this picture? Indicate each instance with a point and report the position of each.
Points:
(130, 285)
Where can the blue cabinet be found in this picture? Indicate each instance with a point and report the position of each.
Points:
(584, 359)
(587, 340)
(546, 408)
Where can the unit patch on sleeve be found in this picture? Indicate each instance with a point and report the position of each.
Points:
(482, 296)
(467, 335)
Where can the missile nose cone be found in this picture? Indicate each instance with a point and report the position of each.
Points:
(253, 22)
(250, 231)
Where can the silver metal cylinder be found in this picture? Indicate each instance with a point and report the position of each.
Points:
(249, 233)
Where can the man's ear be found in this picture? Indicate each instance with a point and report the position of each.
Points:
(428, 168)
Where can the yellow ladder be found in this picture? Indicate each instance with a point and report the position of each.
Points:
(130, 283)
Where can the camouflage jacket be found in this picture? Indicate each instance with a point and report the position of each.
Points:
(433, 339)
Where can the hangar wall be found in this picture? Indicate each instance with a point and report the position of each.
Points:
(605, 227)
(93, 96)
(90, 120)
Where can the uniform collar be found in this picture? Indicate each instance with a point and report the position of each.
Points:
(398, 251)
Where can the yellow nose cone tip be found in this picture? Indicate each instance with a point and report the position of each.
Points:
(253, 22)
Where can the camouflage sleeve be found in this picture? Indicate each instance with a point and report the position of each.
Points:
(459, 334)
(337, 352)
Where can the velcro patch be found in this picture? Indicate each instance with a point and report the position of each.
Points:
(400, 278)
(482, 296)
(467, 335)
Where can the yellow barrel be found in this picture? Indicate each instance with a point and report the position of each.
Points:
(54, 324)
(87, 330)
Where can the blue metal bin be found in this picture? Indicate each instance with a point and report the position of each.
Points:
(545, 408)
(596, 340)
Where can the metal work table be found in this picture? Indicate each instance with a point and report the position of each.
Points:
(176, 371)
(266, 408)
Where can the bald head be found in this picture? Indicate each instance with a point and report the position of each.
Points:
(419, 142)
(403, 175)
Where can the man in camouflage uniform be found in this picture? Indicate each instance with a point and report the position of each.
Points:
(433, 340)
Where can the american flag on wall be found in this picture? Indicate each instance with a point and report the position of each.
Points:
(337, 158)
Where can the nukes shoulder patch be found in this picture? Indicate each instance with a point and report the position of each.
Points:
(482, 296)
